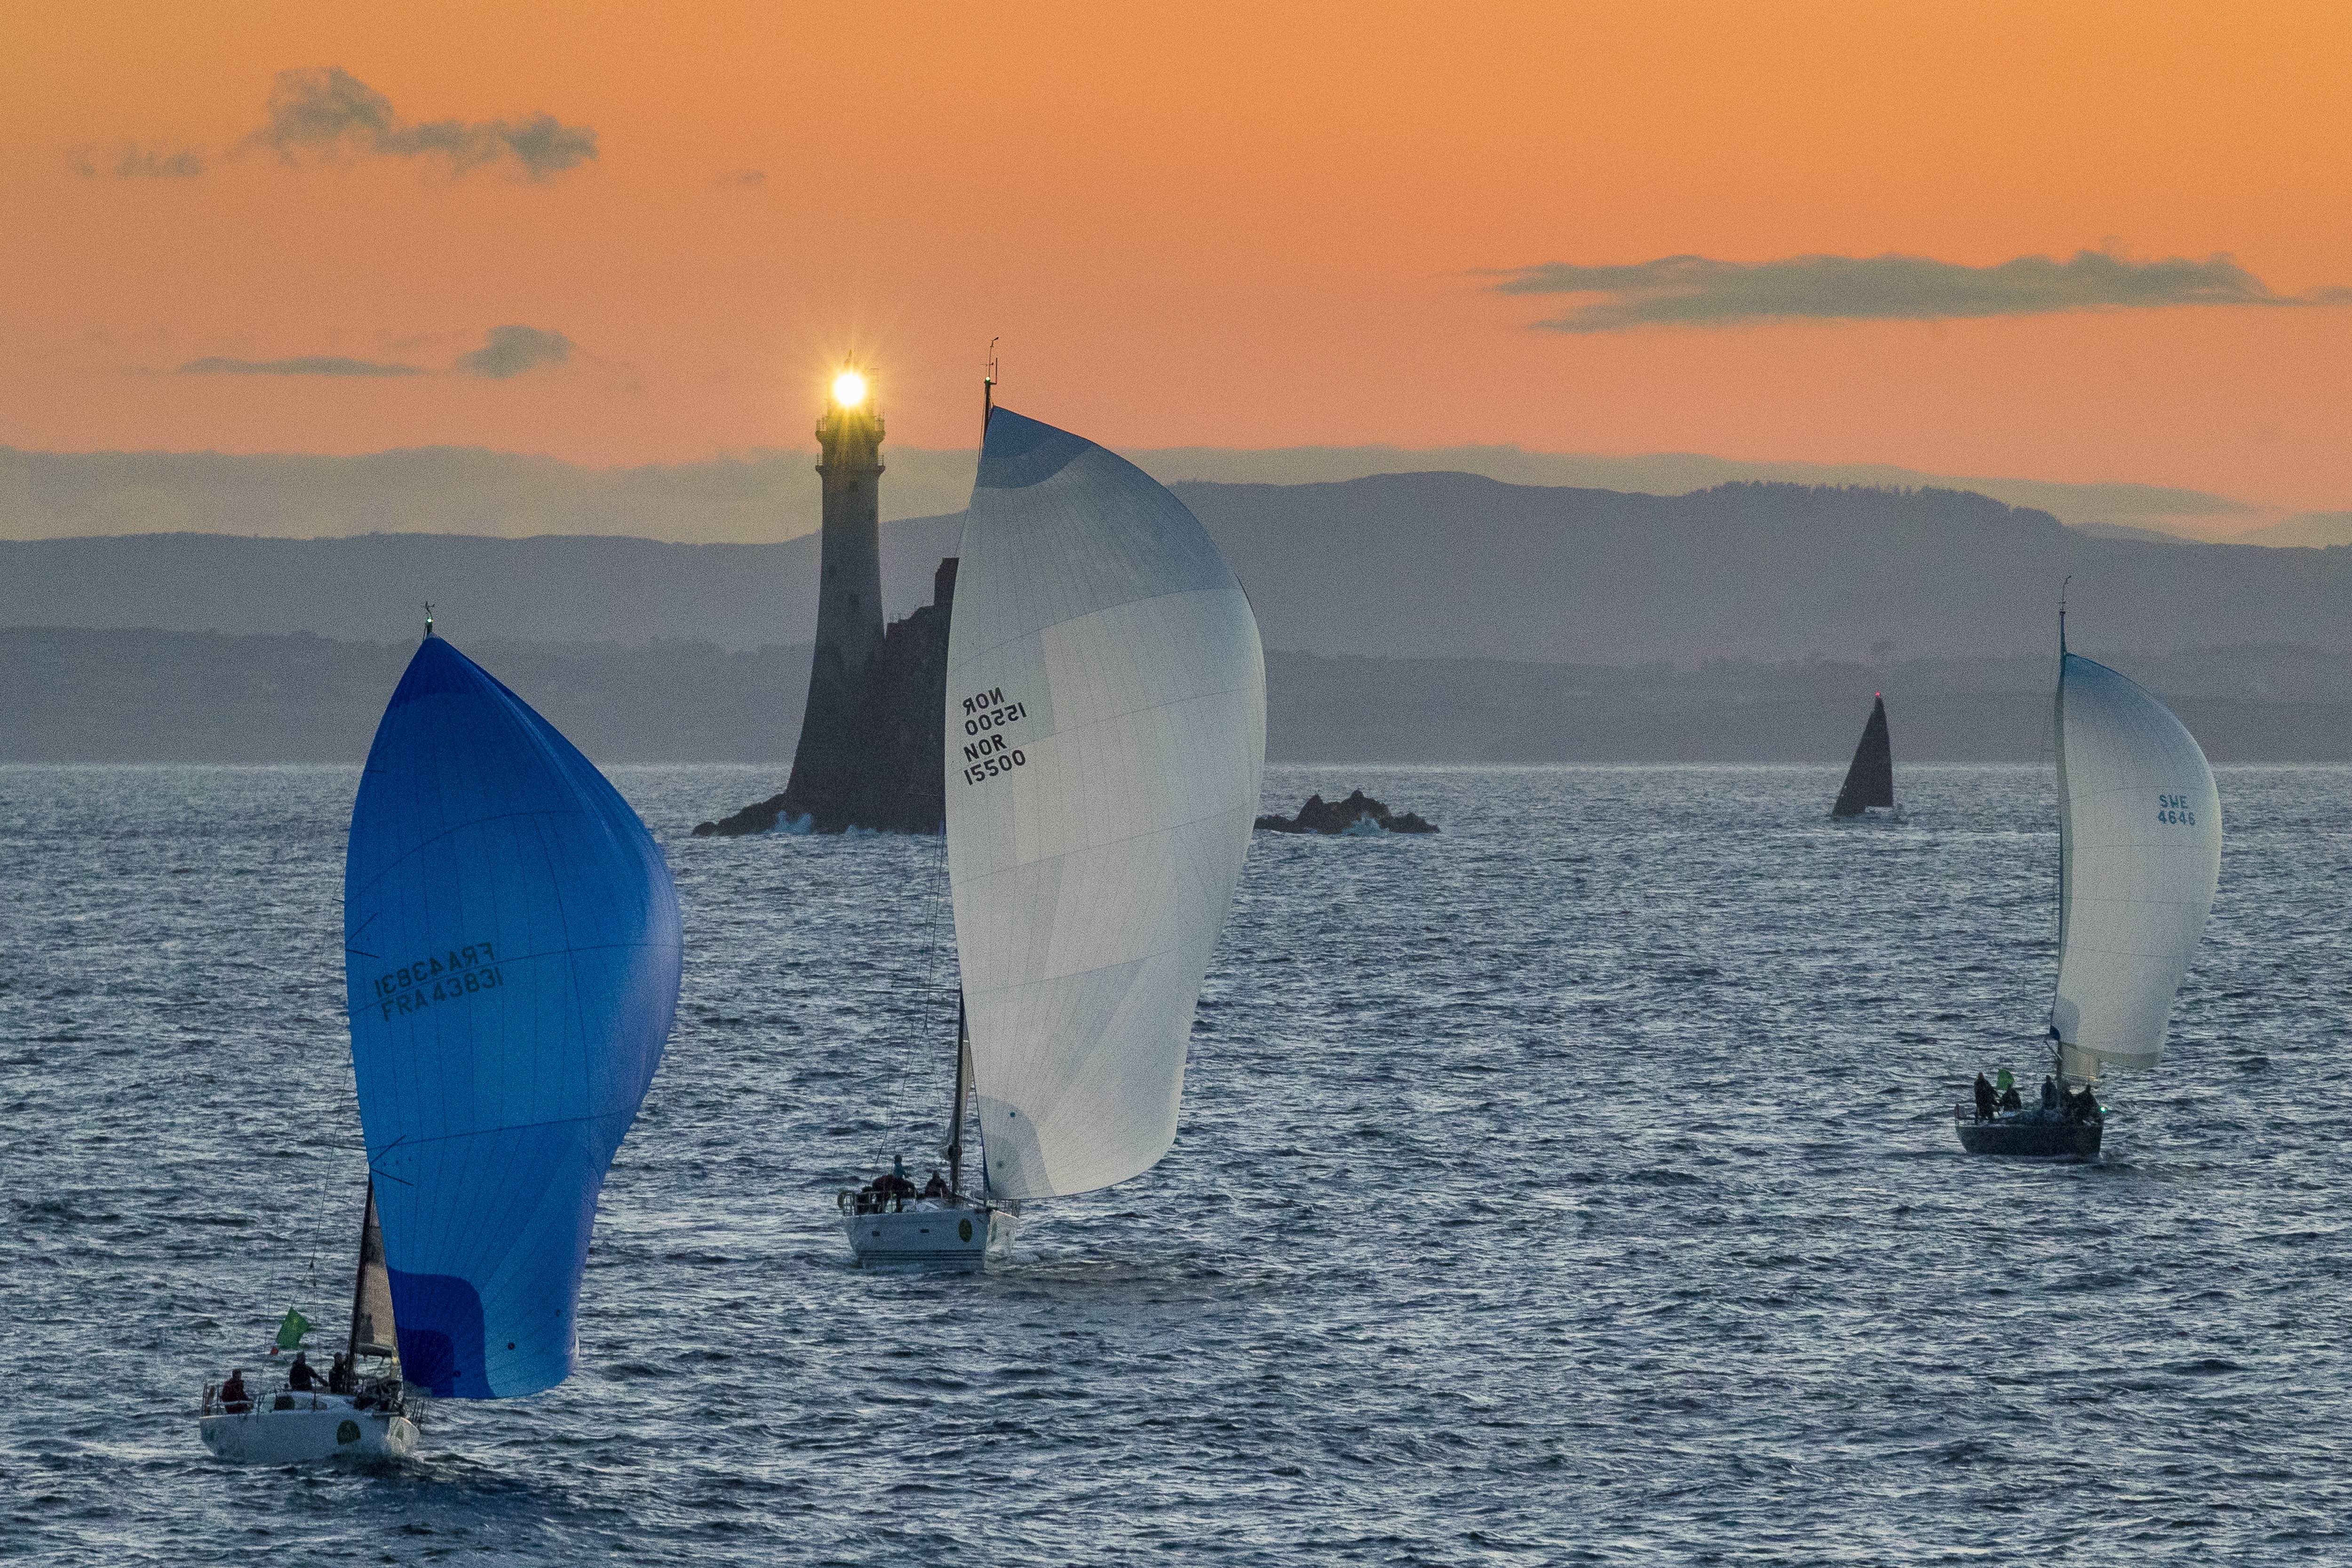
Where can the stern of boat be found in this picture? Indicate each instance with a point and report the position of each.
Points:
(298, 1428)
(2028, 1136)
(957, 1237)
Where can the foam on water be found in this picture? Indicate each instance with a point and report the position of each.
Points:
(1574, 1186)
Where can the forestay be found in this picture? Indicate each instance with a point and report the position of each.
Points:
(512, 952)
(2140, 851)
(1106, 721)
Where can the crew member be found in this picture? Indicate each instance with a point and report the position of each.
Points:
(234, 1398)
(937, 1187)
(338, 1375)
(2009, 1095)
(299, 1377)
(2048, 1092)
(895, 1187)
(1985, 1105)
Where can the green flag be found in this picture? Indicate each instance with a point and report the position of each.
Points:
(290, 1332)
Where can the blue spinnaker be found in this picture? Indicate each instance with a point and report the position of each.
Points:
(511, 953)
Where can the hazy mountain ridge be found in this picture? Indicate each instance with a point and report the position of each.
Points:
(1450, 566)
(153, 696)
(769, 496)
(1409, 565)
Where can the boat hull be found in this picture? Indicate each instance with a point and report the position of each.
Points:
(2032, 1138)
(945, 1237)
(315, 1426)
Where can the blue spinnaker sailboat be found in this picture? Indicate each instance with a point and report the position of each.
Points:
(512, 951)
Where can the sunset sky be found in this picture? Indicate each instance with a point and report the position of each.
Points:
(630, 233)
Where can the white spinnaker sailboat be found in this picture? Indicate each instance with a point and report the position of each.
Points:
(2139, 835)
(1105, 734)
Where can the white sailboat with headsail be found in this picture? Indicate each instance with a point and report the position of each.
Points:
(1105, 726)
(2139, 833)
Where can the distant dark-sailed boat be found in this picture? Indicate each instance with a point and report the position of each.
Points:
(2139, 854)
(1870, 778)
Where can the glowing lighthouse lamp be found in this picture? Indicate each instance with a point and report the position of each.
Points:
(849, 389)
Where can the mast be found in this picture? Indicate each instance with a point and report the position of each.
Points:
(955, 1114)
(964, 1031)
(2058, 748)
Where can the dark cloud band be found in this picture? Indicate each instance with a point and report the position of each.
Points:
(132, 162)
(506, 353)
(1694, 291)
(325, 112)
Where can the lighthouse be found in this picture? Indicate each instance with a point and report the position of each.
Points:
(870, 749)
(832, 760)
(849, 596)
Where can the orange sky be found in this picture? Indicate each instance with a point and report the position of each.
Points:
(1193, 225)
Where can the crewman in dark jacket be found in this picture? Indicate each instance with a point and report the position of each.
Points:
(2010, 1100)
(2048, 1092)
(299, 1377)
(234, 1398)
(1985, 1102)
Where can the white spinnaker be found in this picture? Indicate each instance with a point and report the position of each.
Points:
(2140, 851)
(1106, 731)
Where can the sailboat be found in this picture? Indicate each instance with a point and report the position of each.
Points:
(512, 953)
(512, 957)
(1870, 778)
(1106, 729)
(366, 1417)
(2139, 854)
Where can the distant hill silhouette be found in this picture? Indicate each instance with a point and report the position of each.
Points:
(1448, 565)
(152, 696)
(1400, 566)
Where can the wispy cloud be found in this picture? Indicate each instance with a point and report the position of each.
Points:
(743, 178)
(1694, 291)
(130, 161)
(506, 353)
(305, 364)
(510, 351)
(326, 113)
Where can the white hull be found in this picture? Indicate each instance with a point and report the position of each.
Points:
(928, 1236)
(317, 1426)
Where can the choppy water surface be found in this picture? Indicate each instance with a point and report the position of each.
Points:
(1575, 1186)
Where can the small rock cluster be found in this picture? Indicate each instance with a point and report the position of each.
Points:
(1359, 813)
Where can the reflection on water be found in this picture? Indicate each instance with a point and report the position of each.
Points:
(1574, 1186)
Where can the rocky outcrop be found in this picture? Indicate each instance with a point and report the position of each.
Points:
(872, 754)
(1359, 813)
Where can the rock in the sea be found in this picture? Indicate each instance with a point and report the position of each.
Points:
(1359, 813)
(872, 750)
(759, 816)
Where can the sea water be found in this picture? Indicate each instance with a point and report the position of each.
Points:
(1577, 1186)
